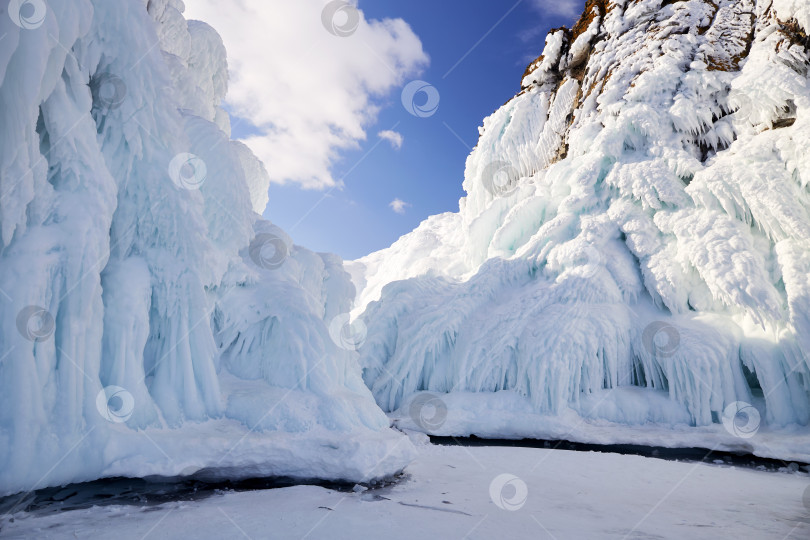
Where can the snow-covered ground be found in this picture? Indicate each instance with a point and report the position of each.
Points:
(458, 492)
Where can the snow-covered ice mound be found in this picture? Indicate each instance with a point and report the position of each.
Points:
(152, 322)
(634, 246)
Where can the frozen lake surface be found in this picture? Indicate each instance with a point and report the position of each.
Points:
(471, 492)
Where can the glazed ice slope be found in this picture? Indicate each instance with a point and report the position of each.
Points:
(634, 246)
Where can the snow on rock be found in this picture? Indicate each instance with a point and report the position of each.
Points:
(637, 217)
(153, 323)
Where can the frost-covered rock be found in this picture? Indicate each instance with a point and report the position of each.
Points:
(637, 216)
(152, 322)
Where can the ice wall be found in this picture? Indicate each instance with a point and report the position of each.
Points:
(152, 322)
(638, 216)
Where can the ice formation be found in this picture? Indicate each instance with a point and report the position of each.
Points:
(152, 322)
(637, 220)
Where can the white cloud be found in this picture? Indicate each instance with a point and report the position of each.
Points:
(399, 206)
(396, 139)
(566, 8)
(311, 94)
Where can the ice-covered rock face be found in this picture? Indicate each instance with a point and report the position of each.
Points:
(638, 215)
(152, 322)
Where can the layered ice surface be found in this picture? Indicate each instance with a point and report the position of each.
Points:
(634, 247)
(152, 322)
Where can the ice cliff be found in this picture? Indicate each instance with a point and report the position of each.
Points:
(152, 322)
(634, 245)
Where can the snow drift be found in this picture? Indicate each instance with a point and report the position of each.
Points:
(634, 246)
(152, 322)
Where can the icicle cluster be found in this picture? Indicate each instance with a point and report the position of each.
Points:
(637, 216)
(152, 322)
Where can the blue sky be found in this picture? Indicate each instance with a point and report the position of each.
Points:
(426, 173)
